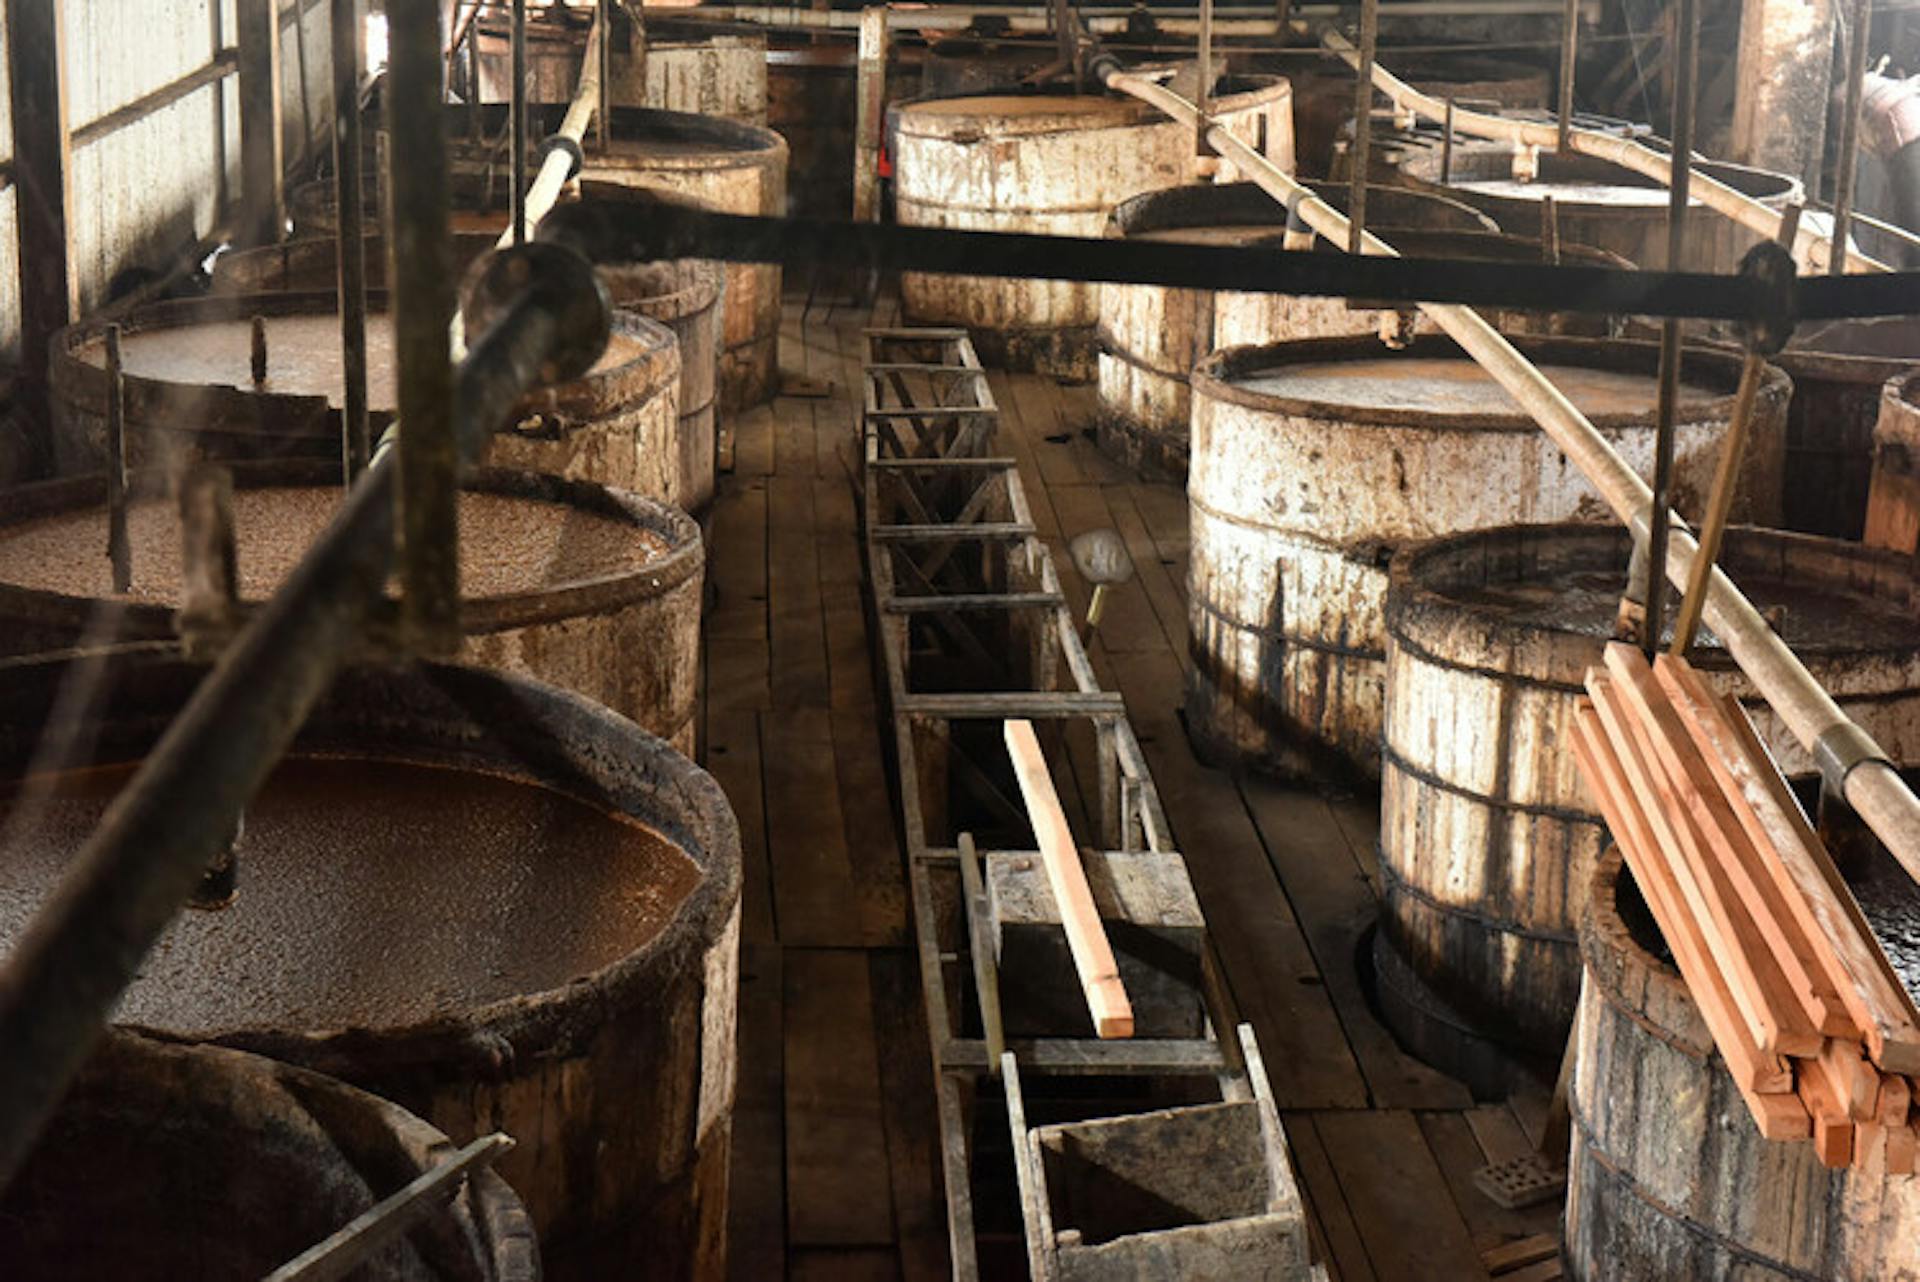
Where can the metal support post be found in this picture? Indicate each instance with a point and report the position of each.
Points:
(422, 278)
(347, 41)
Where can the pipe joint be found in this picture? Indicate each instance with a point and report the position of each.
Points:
(576, 158)
(1841, 749)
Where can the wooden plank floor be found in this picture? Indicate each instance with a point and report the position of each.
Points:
(835, 1172)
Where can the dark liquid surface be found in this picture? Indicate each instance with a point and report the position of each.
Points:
(371, 894)
(1809, 614)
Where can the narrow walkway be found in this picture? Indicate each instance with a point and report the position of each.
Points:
(835, 1166)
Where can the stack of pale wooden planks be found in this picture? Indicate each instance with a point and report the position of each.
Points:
(1814, 1025)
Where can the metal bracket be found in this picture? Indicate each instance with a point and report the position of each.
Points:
(1841, 748)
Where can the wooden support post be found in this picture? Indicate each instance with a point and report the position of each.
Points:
(1086, 937)
(1780, 86)
(1847, 162)
(36, 52)
(869, 114)
(263, 207)
(1569, 49)
(1362, 127)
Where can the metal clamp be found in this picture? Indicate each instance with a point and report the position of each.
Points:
(1841, 748)
(1771, 268)
(560, 142)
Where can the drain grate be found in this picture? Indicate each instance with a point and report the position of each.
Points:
(1521, 1182)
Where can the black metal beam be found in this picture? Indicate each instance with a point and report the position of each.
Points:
(624, 225)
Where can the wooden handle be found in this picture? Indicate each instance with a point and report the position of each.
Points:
(1086, 937)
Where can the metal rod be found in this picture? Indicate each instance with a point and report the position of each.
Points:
(1811, 247)
(602, 126)
(126, 883)
(257, 357)
(1549, 229)
(422, 285)
(517, 111)
(1203, 85)
(1569, 37)
(1848, 162)
(119, 549)
(1362, 126)
(1873, 787)
(1725, 477)
(367, 1233)
(1446, 146)
(346, 38)
(300, 68)
(1685, 60)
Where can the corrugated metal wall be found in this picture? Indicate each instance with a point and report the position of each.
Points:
(144, 192)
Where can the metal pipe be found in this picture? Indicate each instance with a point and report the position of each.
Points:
(119, 548)
(346, 39)
(1569, 38)
(1843, 178)
(517, 115)
(1810, 247)
(1446, 146)
(1363, 125)
(86, 943)
(604, 63)
(422, 286)
(1872, 786)
(1685, 61)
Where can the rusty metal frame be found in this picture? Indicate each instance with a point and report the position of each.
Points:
(928, 419)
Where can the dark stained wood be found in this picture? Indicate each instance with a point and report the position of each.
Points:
(737, 563)
(838, 1189)
(1410, 1226)
(1270, 967)
(733, 759)
(906, 1085)
(1338, 1242)
(797, 634)
(263, 206)
(42, 179)
(1330, 893)
(815, 899)
(862, 1264)
(756, 1196)
(1459, 1155)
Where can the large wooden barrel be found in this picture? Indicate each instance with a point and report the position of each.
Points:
(684, 296)
(1893, 500)
(1488, 838)
(1150, 336)
(594, 589)
(198, 1164)
(731, 167)
(1055, 165)
(1323, 94)
(1602, 204)
(490, 901)
(1838, 371)
(1669, 1178)
(703, 69)
(724, 164)
(1313, 461)
(190, 389)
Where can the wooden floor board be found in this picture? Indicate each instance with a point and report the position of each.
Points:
(756, 1199)
(737, 562)
(1270, 968)
(816, 900)
(1407, 1219)
(797, 635)
(838, 1189)
(1330, 894)
(906, 1087)
(1459, 1155)
(1337, 1238)
(733, 759)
